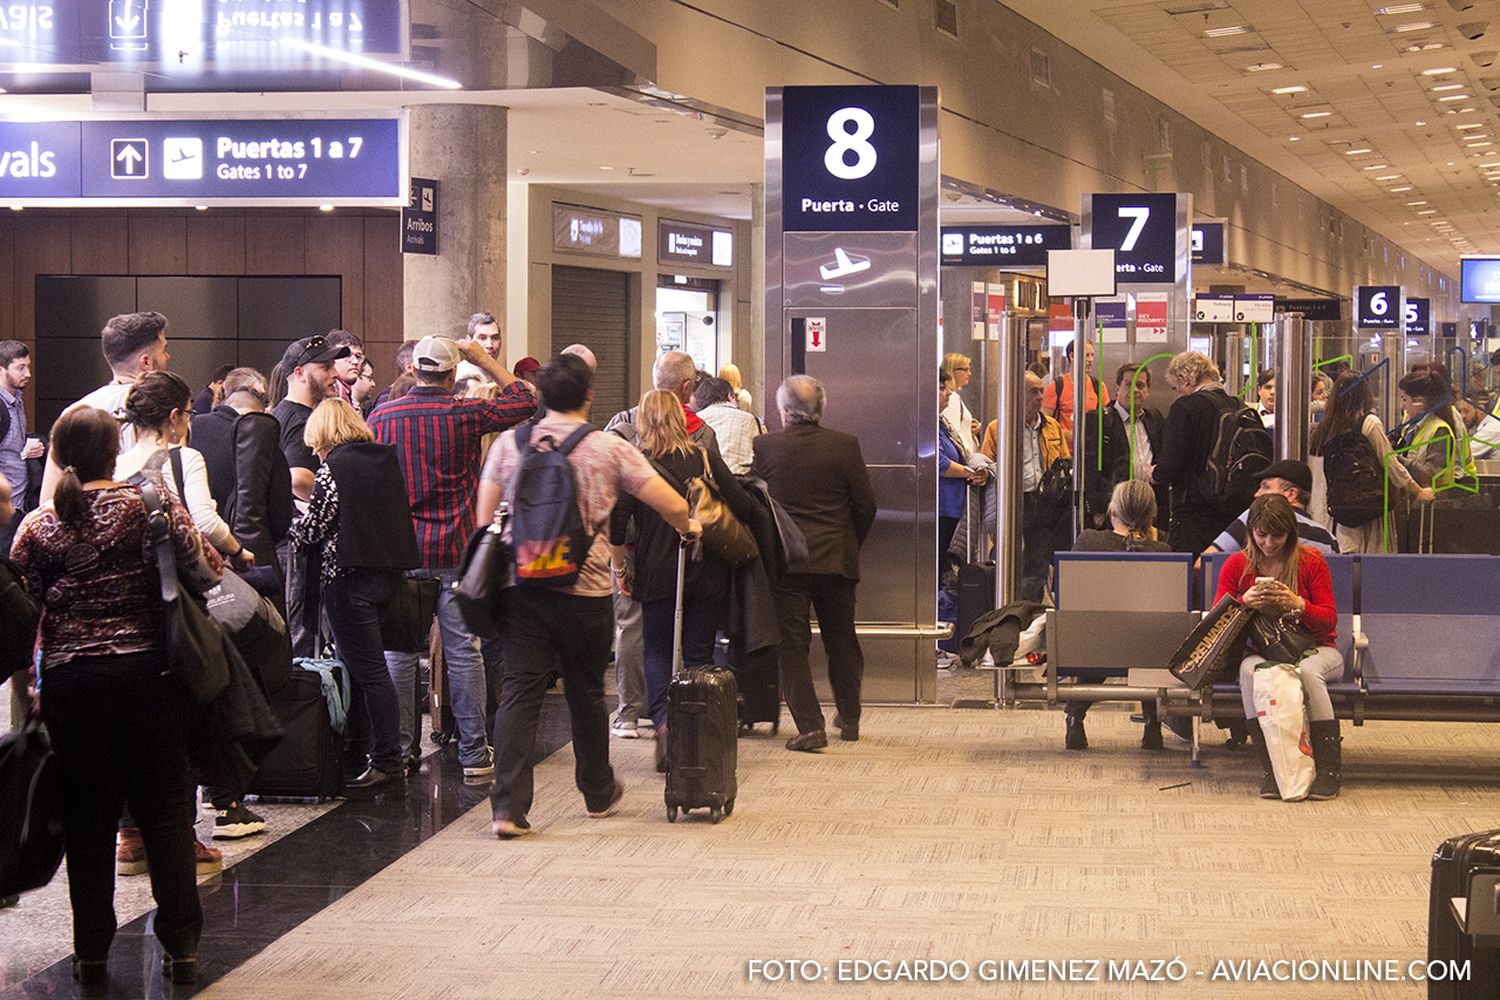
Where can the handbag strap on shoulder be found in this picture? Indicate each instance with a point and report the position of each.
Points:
(161, 542)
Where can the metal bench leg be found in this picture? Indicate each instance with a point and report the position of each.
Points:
(1197, 743)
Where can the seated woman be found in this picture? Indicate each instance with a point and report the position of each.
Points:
(1132, 516)
(1275, 575)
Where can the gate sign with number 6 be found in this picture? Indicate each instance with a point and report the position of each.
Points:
(1377, 307)
(849, 159)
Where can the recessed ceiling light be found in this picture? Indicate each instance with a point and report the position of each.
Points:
(1233, 29)
(1378, 66)
(1358, 152)
(1413, 204)
(1387, 177)
(533, 152)
(1466, 111)
(1378, 166)
(1478, 145)
(1495, 164)
(1295, 88)
(1429, 46)
(1263, 67)
(1440, 71)
(201, 208)
(1318, 114)
(1419, 123)
(325, 208)
(1454, 97)
(1401, 190)
(1446, 87)
(1413, 26)
(1428, 211)
(606, 168)
(1470, 125)
(1294, 138)
(1400, 8)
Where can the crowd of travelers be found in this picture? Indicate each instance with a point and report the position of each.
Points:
(327, 498)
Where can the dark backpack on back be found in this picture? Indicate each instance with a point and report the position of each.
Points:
(547, 532)
(1241, 451)
(1356, 482)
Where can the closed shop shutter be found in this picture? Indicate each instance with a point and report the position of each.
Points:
(592, 306)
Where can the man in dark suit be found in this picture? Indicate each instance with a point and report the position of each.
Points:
(1128, 423)
(819, 476)
(247, 470)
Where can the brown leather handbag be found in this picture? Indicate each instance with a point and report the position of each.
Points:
(723, 533)
(1215, 646)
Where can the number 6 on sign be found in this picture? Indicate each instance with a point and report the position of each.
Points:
(854, 142)
(1379, 306)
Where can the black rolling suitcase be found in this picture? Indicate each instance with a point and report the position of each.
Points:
(702, 729)
(307, 763)
(1456, 865)
(975, 589)
(756, 678)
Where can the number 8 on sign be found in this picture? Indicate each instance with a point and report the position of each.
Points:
(845, 142)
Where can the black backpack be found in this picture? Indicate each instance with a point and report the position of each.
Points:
(1241, 452)
(550, 540)
(1356, 482)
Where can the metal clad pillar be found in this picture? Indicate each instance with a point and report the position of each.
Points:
(852, 300)
(1010, 406)
(1294, 362)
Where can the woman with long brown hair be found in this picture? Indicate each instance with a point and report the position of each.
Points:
(119, 721)
(1288, 582)
(1349, 424)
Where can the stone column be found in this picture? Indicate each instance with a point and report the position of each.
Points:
(462, 146)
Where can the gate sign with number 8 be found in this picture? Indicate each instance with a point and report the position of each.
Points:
(849, 158)
(1377, 307)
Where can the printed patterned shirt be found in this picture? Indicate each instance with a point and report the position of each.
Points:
(440, 441)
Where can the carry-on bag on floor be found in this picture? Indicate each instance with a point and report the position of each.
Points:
(1457, 864)
(758, 684)
(975, 588)
(444, 725)
(307, 763)
(702, 729)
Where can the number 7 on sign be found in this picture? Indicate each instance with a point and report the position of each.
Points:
(1138, 217)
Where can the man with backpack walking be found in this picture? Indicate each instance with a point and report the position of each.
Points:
(1213, 449)
(561, 480)
(440, 442)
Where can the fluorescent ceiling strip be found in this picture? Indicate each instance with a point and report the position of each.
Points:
(365, 62)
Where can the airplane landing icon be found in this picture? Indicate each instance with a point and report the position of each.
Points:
(843, 265)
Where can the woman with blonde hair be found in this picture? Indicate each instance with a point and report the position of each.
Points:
(1288, 582)
(661, 434)
(961, 422)
(731, 373)
(365, 544)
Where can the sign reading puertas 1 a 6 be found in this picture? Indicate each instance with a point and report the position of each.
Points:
(850, 157)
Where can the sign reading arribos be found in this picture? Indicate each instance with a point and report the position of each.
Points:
(195, 161)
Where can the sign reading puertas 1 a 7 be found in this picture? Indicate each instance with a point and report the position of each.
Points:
(850, 157)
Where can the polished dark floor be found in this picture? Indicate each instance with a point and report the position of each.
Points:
(274, 890)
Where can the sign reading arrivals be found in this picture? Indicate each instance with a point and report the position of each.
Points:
(850, 158)
(155, 162)
(1002, 246)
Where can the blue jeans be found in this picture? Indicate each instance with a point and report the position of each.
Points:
(466, 677)
(355, 603)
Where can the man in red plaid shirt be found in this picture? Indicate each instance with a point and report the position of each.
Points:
(440, 443)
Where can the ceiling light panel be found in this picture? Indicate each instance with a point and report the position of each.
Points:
(1400, 8)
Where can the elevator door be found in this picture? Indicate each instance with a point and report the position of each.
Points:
(592, 306)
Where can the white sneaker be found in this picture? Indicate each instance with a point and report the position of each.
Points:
(625, 729)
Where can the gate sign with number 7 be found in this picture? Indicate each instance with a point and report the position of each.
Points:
(1377, 307)
(1142, 230)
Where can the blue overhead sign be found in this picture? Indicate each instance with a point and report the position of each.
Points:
(1418, 317)
(154, 161)
(1002, 246)
(1208, 243)
(1142, 231)
(184, 34)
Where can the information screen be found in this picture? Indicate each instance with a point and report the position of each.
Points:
(1481, 279)
(1003, 246)
(156, 161)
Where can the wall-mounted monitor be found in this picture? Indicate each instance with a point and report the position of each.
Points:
(1481, 279)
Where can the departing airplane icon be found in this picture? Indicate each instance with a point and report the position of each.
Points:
(843, 265)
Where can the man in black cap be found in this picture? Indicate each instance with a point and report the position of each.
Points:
(310, 378)
(1293, 480)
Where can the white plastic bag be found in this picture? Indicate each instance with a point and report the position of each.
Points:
(1279, 706)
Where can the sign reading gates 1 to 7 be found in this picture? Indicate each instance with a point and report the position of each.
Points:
(850, 157)
(1377, 307)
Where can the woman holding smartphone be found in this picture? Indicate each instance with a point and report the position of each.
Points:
(1279, 578)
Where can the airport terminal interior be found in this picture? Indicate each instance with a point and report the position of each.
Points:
(1080, 420)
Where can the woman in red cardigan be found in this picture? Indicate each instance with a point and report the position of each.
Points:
(1292, 579)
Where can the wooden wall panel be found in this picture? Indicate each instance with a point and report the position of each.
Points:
(158, 244)
(100, 244)
(336, 245)
(384, 323)
(274, 244)
(215, 243)
(7, 285)
(43, 242)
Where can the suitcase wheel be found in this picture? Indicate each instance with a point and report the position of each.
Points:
(729, 808)
(671, 814)
(716, 814)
